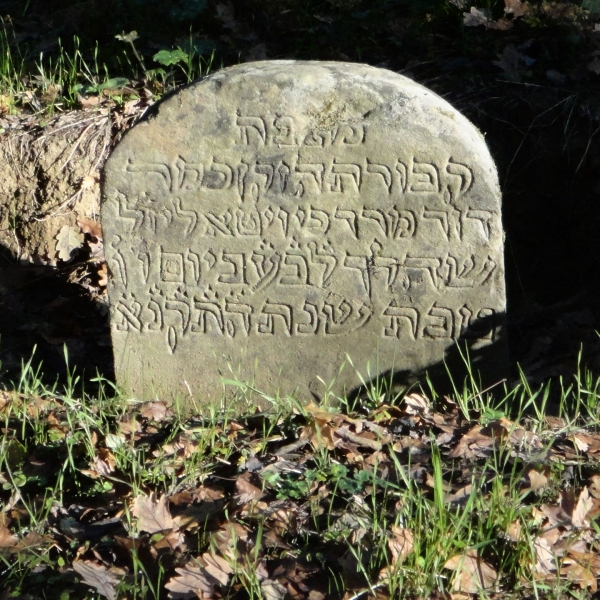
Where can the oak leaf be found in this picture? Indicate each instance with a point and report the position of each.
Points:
(98, 577)
(68, 240)
(153, 515)
(401, 545)
(89, 226)
(473, 574)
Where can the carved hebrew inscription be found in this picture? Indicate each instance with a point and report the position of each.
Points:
(259, 225)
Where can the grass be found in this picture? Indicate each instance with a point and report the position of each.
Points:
(413, 496)
(65, 79)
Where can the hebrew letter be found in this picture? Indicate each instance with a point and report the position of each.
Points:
(190, 216)
(313, 320)
(272, 310)
(237, 265)
(130, 310)
(210, 318)
(298, 267)
(376, 216)
(345, 317)
(459, 180)
(285, 131)
(382, 170)
(424, 178)
(243, 313)
(321, 255)
(308, 177)
(346, 177)
(360, 263)
(171, 266)
(441, 325)
(484, 217)
(219, 175)
(253, 130)
(351, 217)
(247, 223)
(397, 316)
(425, 265)
(267, 263)
(220, 223)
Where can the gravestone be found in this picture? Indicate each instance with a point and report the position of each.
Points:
(274, 219)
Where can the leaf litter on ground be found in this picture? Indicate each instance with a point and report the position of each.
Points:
(310, 503)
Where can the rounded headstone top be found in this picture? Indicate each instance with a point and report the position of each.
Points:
(280, 217)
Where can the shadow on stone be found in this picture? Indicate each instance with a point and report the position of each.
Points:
(464, 358)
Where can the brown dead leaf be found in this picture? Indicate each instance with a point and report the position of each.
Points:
(482, 16)
(584, 505)
(247, 491)
(88, 101)
(173, 540)
(474, 444)
(7, 539)
(473, 574)
(155, 411)
(191, 581)
(580, 573)
(91, 227)
(217, 567)
(273, 590)
(68, 240)
(98, 577)
(516, 8)
(416, 404)
(401, 544)
(545, 559)
(460, 496)
(514, 531)
(103, 275)
(104, 462)
(536, 479)
(153, 515)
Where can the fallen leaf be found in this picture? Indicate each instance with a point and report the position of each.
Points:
(473, 574)
(584, 504)
(272, 590)
(545, 559)
(98, 577)
(88, 101)
(104, 462)
(416, 404)
(7, 539)
(91, 227)
(514, 531)
(512, 62)
(401, 545)
(579, 573)
(103, 275)
(153, 515)
(192, 581)
(482, 16)
(516, 8)
(247, 491)
(155, 411)
(68, 240)
(537, 480)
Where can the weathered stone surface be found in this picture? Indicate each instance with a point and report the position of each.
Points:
(277, 217)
